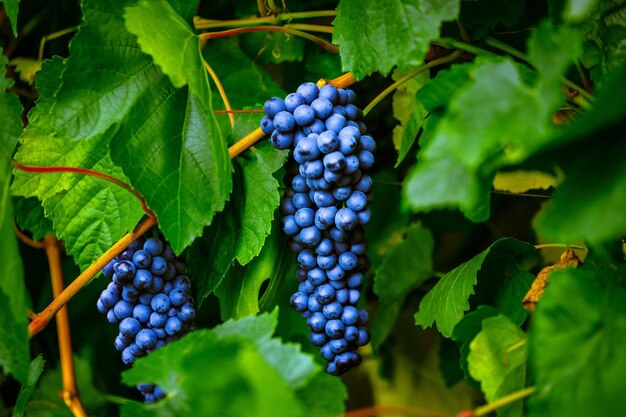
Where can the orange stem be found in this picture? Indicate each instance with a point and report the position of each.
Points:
(70, 390)
(231, 32)
(85, 171)
(28, 241)
(220, 88)
(382, 409)
(43, 318)
(257, 134)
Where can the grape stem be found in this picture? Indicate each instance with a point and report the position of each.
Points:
(378, 410)
(43, 318)
(220, 88)
(85, 171)
(232, 32)
(504, 401)
(26, 240)
(559, 245)
(203, 24)
(257, 134)
(435, 62)
(69, 394)
(52, 36)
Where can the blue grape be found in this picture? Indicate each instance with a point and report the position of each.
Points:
(153, 246)
(142, 259)
(333, 310)
(143, 279)
(308, 91)
(317, 322)
(273, 106)
(335, 161)
(146, 339)
(141, 313)
(267, 125)
(299, 301)
(335, 122)
(322, 107)
(329, 92)
(350, 316)
(335, 329)
(304, 115)
(346, 219)
(327, 141)
(292, 101)
(281, 140)
(284, 122)
(173, 326)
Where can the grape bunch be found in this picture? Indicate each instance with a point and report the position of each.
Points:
(149, 297)
(324, 209)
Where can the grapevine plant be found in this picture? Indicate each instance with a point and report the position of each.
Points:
(202, 174)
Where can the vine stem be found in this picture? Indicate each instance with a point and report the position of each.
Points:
(28, 241)
(257, 134)
(449, 43)
(232, 32)
(221, 90)
(43, 318)
(390, 409)
(85, 171)
(69, 394)
(559, 245)
(203, 24)
(52, 36)
(504, 401)
(310, 28)
(435, 62)
(260, 4)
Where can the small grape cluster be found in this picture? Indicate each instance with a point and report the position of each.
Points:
(149, 297)
(324, 209)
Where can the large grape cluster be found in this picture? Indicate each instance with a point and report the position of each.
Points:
(324, 209)
(149, 297)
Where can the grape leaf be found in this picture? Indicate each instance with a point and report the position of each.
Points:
(46, 401)
(26, 391)
(176, 50)
(484, 15)
(388, 34)
(409, 112)
(11, 7)
(27, 68)
(295, 367)
(14, 351)
(494, 120)
(497, 359)
(576, 10)
(466, 330)
(248, 383)
(323, 396)
(447, 302)
(576, 344)
(30, 216)
(595, 180)
(239, 292)
(239, 231)
(405, 266)
(322, 65)
(438, 91)
(133, 108)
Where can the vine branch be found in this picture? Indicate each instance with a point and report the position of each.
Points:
(203, 24)
(220, 88)
(439, 61)
(69, 394)
(257, 134)
(43, 318)
(499, 403)
(232, 32)
(85, 171)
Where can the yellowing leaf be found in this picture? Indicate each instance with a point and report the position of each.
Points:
(523, 181)
(27, 68)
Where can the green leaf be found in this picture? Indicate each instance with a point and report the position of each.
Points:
(11, 7)
(576, 344)
(497, 359)
(595, 180)
(323, 396)
(409, 112)
(46, 401)
(295, 367)
(466, 330)
(576, 10)
(405, 266)
(239, 231)
(175, 50)
(257, 373)
(239, 292)
(438, 91)
(30, 216)
(493, 120)
(447, 302)
(14, 351)
(26, 391)
(166, 141)
(388, 34)
(482, 16)
(322, 65)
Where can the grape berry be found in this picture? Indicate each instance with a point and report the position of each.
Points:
(324, 209)
(149, 297)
